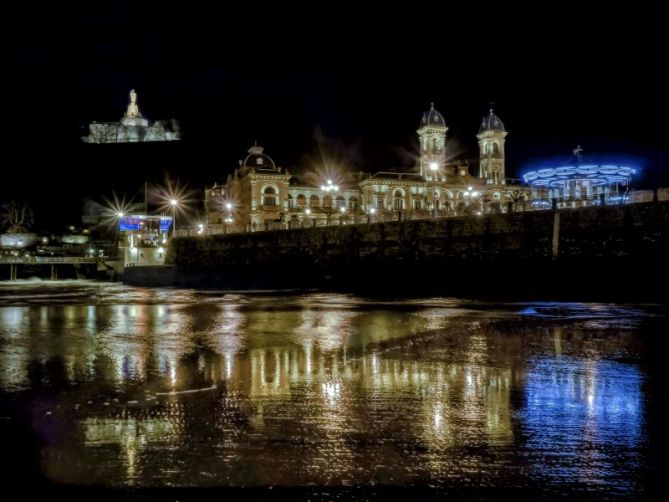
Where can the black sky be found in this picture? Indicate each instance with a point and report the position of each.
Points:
(363, 80)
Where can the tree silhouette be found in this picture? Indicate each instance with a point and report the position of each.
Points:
(18, 216)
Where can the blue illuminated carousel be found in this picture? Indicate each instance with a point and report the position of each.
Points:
(580, 183)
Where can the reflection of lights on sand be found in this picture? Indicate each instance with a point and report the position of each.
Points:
(173, 372)
(437, 415)
(331, 392)
(277, 369)
(12, 318)
(229, 360)
(308, 358)
(375, 363)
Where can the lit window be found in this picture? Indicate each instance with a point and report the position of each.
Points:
(269, 197)
(259, 160)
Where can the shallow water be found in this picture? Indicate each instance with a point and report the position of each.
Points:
(152, 388)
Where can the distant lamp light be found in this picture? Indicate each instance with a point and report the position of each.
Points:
(228, 206)
(372, 210)
(342, 209)
(174, 202)
(307, 210)
(120, 214)
(330, 187)
(434, 166)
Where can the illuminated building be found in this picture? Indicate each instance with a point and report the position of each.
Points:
(580, 183)
(132, 128)
(491, 138)
(143, 239)
(265, 196)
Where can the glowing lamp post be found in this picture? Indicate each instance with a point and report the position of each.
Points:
(119, 215)
(370, 213)
(174, 203)
(434, 167)
(342, 210)
(472, 193)
(328, 188)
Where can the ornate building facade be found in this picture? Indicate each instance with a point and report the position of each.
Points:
(132, 128)
(260, 195)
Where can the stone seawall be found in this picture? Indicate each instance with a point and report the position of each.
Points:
(614, 246)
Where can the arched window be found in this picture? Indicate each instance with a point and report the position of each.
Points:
(352, 203)
(327, 201)
(495, 149)
(341, 202)
(314, 202)
(398, 200)
(291, 201)
(301, 201)
(269, 196)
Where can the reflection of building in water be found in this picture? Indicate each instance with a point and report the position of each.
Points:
(575, 401)
(263, 374)
(131, 435)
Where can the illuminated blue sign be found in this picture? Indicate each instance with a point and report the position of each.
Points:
(144, 223)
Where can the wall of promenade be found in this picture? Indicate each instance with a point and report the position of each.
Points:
(611, 246)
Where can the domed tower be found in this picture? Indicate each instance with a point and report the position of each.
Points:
(258, 160)
(491, 138)
(432, 137)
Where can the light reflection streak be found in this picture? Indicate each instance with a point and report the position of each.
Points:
(300, 373)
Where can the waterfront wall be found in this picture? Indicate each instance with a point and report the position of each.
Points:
(602, 245)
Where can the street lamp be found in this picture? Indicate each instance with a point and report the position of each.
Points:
(328, 188)
(472, 193)
(371, 212)
(434, 167)
(174, 203)
(307, 211)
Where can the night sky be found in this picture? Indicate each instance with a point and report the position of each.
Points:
(360, 82)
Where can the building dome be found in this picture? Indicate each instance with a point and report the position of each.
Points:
(491, 123)
(258, 160)
(432, 118)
